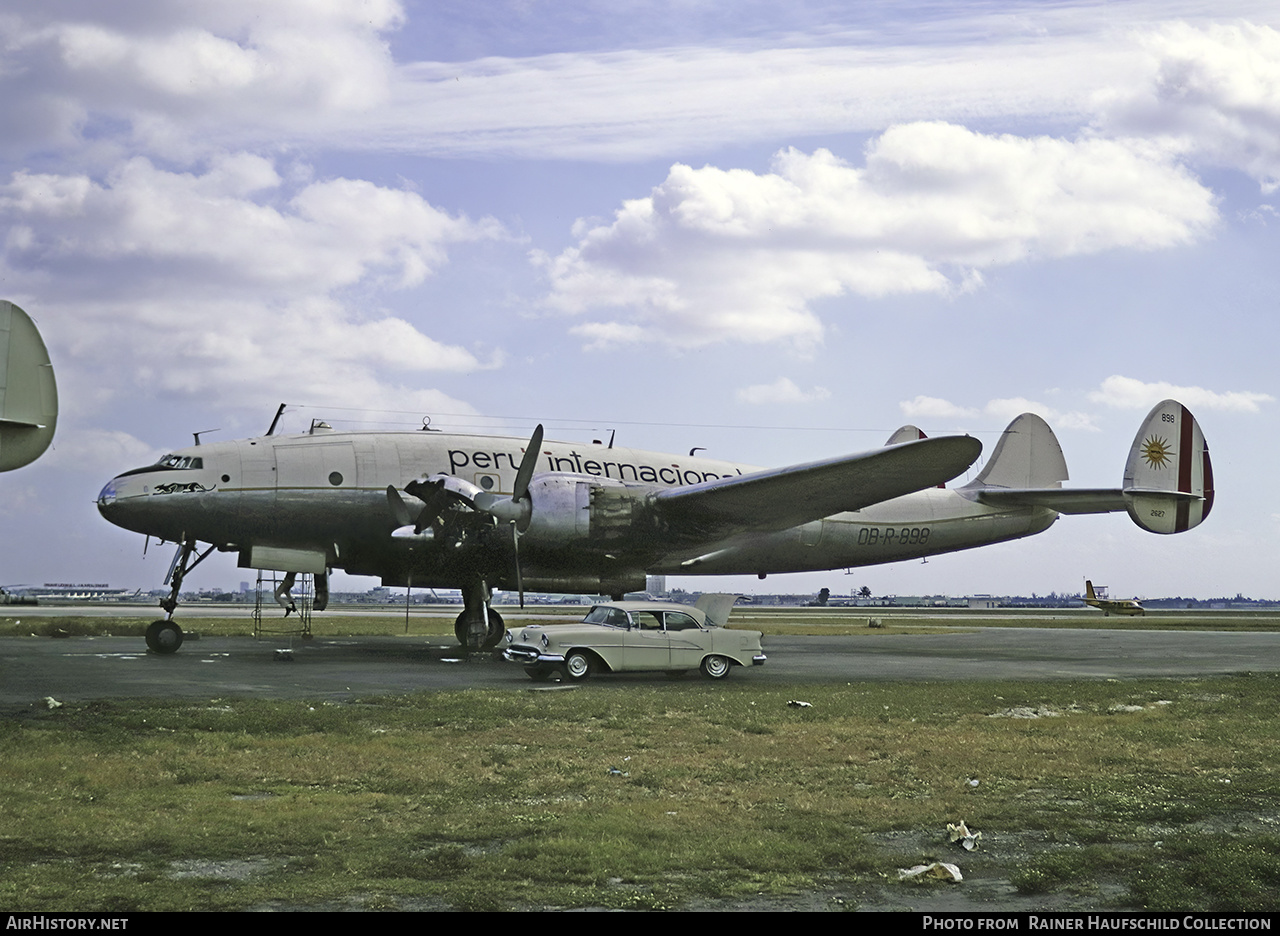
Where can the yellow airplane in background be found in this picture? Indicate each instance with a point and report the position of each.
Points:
(1108, 606)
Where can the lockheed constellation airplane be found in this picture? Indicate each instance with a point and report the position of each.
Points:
(1109, 606)
(28, 393)
(471, 512)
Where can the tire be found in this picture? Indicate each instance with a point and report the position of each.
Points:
(164, 637)
(492, 636)
(537, 672)
(497, 630)
(715, 667)
(578, 666)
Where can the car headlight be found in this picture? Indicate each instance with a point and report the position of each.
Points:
(510, 638)
(545, 641)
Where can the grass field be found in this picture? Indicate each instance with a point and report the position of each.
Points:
(438, 621)
(1161, 794)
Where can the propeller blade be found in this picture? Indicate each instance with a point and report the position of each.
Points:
(399, 509)
(524, 474)
(515, 546)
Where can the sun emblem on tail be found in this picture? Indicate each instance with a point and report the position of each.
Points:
(1156, 452)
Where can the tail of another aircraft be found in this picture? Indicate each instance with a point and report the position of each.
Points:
(1088, 591)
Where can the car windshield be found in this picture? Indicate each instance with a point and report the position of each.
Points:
(612, 617)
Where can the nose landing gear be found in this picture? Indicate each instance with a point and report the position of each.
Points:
(165, 636)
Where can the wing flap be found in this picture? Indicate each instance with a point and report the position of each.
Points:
(785, 497)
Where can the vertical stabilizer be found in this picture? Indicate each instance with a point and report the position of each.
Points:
(1027, 456)
(28, 394)
(1168, 478)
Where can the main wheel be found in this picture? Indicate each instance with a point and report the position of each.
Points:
(715, 667)
(164, 637)
(537, 672)
(577, 666)
(462, 630)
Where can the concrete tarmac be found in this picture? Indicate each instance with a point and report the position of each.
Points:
(88, 668)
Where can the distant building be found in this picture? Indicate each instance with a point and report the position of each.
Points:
(983, 602)
(655, 584)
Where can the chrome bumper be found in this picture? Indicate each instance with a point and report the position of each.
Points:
(758, 659)
(531, 657)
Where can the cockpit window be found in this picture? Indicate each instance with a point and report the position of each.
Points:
(180, 462)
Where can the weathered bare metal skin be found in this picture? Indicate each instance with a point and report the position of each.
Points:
(597, 519)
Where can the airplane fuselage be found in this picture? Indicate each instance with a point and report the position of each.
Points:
(316, 501)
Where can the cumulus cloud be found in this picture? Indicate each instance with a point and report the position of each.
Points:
(185, 282)
(1212, 92)
(177, 74)
(78, 448)
(1012, 407)
(782, 390)
(221, 227)
(732, 255)
(1131, 393)
(927, 407)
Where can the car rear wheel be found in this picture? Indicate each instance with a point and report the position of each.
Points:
(715, 667)
(577, 666)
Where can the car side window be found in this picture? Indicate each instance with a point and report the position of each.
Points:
(679, 621)
(614, 617)
(647, 620)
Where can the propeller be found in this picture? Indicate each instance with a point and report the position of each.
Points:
(438, 490)
(517, 510)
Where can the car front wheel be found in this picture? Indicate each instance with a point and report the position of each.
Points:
(577, 666)
(715, 667)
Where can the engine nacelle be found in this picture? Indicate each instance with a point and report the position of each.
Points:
(573, 507)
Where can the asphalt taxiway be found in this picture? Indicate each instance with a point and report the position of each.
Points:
(87, 668)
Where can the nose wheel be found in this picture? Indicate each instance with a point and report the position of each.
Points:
(164, 637)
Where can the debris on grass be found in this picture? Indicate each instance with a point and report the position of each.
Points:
(937, 871)
(959, 834)
(796, 703)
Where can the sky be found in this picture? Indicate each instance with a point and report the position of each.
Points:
(777, 231)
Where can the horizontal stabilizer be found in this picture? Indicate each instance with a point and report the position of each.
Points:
(1067, 501)
(785, 497)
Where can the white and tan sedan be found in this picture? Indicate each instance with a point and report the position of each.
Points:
(630, 636)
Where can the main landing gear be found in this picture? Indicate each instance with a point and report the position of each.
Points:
(478, 627)
(165, 636)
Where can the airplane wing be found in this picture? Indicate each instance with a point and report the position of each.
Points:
(785, 497)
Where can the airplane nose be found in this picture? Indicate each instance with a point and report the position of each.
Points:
(107, 502)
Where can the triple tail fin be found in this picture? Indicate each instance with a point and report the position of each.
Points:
(1168, 478)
